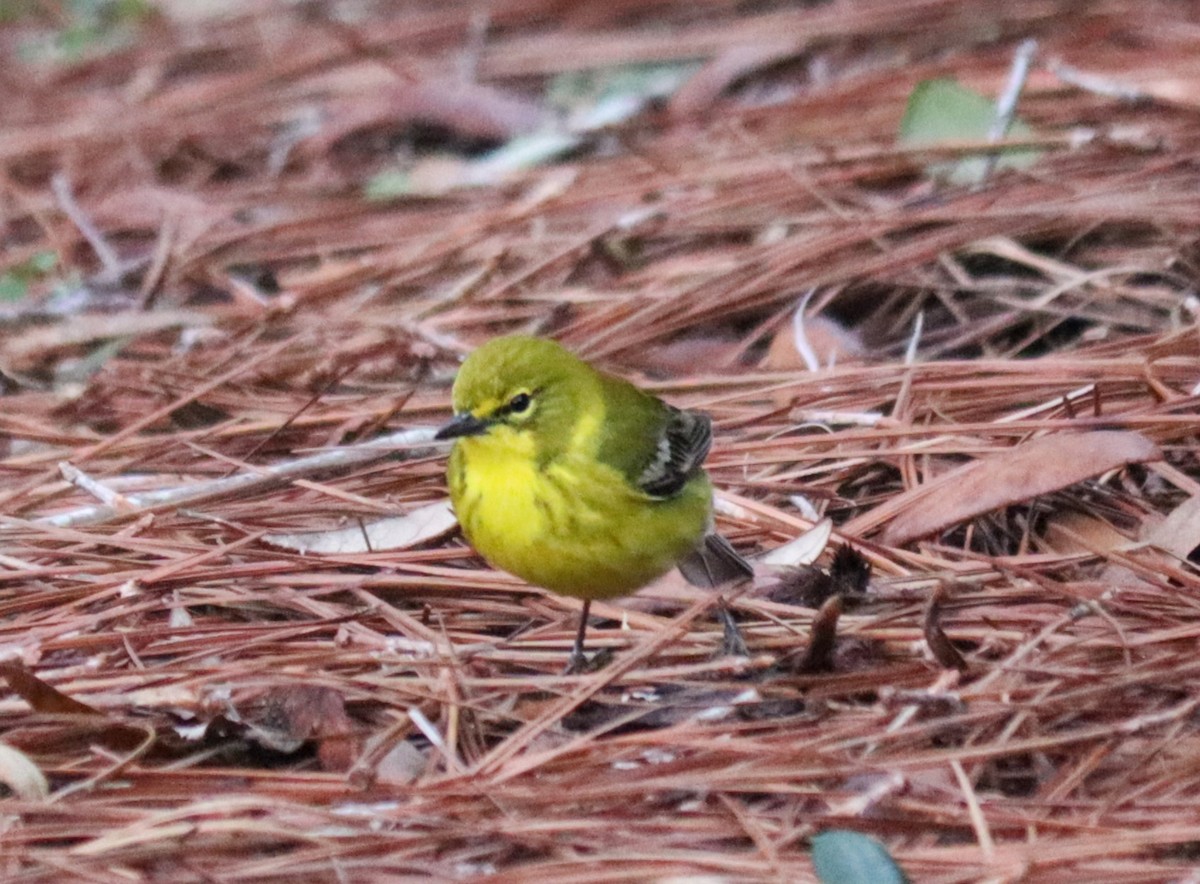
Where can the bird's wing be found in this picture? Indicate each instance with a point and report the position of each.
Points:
(656, 447)
(682, 444)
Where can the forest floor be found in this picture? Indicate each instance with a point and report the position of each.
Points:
(241, 242)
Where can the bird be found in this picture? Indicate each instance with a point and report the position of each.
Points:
(578, 481)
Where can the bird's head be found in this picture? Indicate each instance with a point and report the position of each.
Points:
(521, 391)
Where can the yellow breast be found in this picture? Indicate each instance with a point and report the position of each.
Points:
(573, 525)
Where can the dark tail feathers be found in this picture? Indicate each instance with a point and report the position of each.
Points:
(714, 563)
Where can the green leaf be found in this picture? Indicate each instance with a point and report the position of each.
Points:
(42, 263)
(15, 10)
(844, 857)
(12, 287)
(944, 111)
(15, 282)
(593, 102)
(102, 13)
(89, 28)
(573, 90)
(389, 184)
(77, 371)
(596, 99)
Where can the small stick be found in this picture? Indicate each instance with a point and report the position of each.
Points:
(1006, 105)
(66, 201)
(101, 492)
(255, 479)
(1096, 83)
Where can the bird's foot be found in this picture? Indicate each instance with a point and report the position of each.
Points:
(576, 664)
(580, 664)
(732, 645)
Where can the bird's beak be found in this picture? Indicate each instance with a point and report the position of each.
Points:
(465, 424)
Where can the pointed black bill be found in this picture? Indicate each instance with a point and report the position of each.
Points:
(465, 424)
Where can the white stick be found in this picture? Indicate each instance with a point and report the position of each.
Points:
(252, 480)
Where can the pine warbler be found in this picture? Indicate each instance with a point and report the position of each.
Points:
(577, 481)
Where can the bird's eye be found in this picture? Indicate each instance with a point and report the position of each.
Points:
(518, 403)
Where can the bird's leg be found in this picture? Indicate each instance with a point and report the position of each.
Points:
(578, 662)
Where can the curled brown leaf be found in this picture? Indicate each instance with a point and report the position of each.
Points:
(1021, 473)
(939, 643)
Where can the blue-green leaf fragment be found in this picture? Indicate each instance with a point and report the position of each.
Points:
(841, 856)
(945, 112)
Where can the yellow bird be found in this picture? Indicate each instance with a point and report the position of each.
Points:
(577, 481)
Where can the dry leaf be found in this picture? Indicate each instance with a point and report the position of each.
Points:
(286, 717)
(469, 110)
(939, 643)
(830, 342)
(22, 777)
(94, 726)
(40, 695)
(1179, 533)
(401, 766)
(804, 549)
(1072, 532)
(705, 86)
(1022, 473)
(421, 525)
(818, 656)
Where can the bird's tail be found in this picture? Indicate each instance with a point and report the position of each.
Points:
(714, 563)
